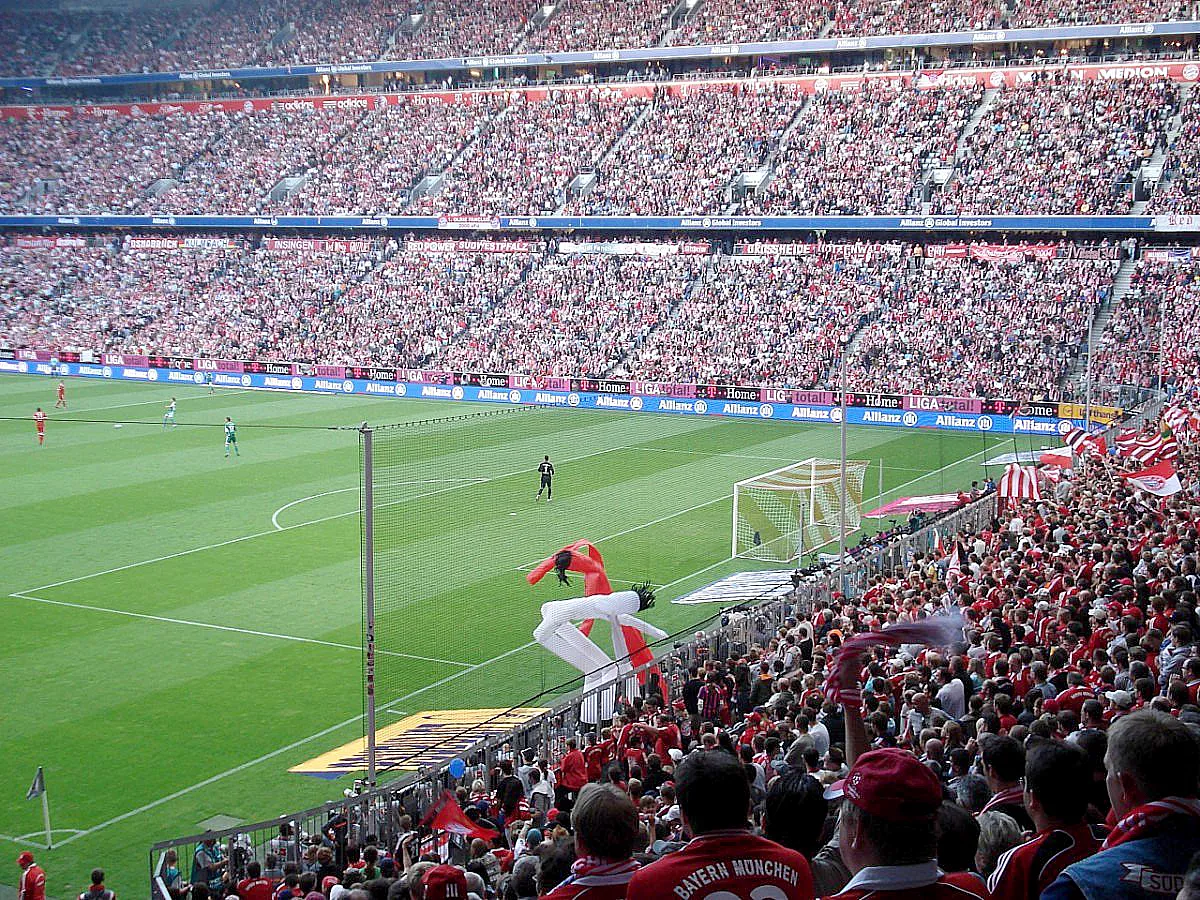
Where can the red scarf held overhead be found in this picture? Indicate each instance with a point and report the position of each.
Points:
(1146, 818)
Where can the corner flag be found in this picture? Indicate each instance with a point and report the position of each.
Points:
(38, 789)
(39, 785)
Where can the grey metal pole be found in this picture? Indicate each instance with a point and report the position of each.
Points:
(842, 511)
(1162, 343)
(1087, 399)
(368, 513)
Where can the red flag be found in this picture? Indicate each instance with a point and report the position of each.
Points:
(1159, 479)
(447, 815)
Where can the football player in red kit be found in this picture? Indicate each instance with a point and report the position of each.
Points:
(724, 860)
(39, 421)
(61, 402)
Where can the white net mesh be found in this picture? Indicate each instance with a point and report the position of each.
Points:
(783, 514)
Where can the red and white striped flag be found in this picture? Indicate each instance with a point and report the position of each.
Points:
(939, 548)
(1159, 479)
(1146, 447)
(1125, 440)
(1176, 417)
(1085, 444)
(954, 569)
(1019, 483)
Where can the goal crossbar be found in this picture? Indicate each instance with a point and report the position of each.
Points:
(778, 513)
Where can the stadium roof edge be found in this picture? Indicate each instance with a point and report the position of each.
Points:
(629, 55)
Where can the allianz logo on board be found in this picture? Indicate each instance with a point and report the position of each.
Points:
(496, 396)
(374, 387)
(1031, 426)
(438, 393)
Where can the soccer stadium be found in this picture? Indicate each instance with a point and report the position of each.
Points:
(486, 450)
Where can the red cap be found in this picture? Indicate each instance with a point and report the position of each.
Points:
(445, 883)
(328, 882)
(25, 859)
(893, 785)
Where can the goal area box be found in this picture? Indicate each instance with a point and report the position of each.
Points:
(781, 515)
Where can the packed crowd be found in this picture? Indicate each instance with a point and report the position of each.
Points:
(1015, 719)
(764, 320)
(216, 162)
(403, 144)
(600, 25)
(933, 325)
(457, 27)
(578, 314)
(229, 33)
(531, 152)
(1056, 146)
(965, 327)
(864, 152)
(683, 157)
(1135, 343)
(1060, 147)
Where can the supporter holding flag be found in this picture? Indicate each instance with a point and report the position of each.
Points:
(1153, 767)
(1159, 479)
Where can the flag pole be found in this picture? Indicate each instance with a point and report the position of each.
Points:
(46, 819)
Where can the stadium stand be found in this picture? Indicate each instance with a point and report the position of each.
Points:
(989, 321)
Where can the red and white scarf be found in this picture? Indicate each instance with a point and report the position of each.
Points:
(1007, 797)
(842, 684)
(1143, 820)
(593, 871)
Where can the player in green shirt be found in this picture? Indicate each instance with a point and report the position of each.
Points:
(231, 437)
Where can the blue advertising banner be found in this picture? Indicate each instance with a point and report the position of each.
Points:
(778, 412)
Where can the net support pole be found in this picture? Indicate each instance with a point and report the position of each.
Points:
(369, 592)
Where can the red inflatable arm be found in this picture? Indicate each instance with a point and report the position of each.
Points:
(586, 559)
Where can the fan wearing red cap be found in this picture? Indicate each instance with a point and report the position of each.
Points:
(887, 830)
(445, 883)
(33, 880)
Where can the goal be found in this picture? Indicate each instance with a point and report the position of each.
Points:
(781, 515)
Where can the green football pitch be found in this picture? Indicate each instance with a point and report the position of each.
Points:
(180, 628)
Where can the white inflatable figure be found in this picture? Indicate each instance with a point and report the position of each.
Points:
(560, 636)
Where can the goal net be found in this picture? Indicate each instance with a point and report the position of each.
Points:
(780, 516)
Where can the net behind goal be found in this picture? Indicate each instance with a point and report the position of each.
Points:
(782, 515)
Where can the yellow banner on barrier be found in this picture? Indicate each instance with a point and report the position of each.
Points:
(1102, 415)
(424, 739)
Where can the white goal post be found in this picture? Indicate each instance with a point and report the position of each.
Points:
(781, 515)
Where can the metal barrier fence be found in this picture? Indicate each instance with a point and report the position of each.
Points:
(728, 633)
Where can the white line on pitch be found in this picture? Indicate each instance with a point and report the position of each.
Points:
(462, 482)
(616, 534)
(292, 746)
(250, 631)
(258, 534)
(91, 409)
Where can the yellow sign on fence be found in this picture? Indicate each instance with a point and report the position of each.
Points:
(424, 739)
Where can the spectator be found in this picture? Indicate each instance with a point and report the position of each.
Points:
(714, 799)
(606, 830)
(1057, 782)
(887, 831)
(1153, 771)
(1004, 767)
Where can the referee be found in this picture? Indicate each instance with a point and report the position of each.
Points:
(546, 471)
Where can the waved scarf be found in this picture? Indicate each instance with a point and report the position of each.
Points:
(1146, 818)
(842, 684)
(608, 872)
